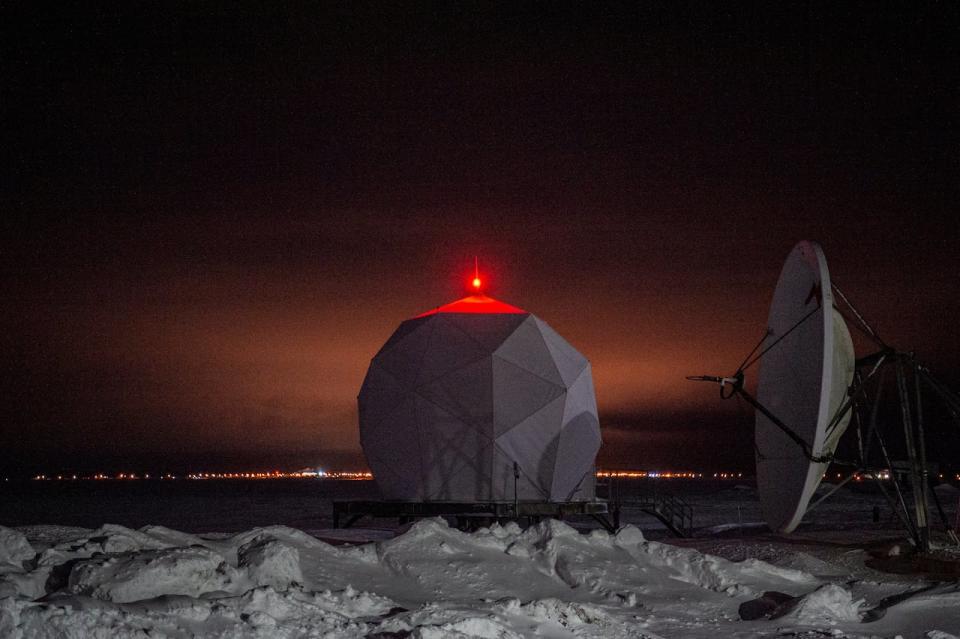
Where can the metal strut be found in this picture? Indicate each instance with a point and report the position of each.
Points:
(916, 456)
(861, 323)
(736, 385)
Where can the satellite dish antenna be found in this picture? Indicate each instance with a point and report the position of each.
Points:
(804, 381)
(811, 384)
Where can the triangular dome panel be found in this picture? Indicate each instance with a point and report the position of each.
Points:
(380, 395)
(392, 452)
(505, 486)
(490, 331)
(463, 478)
(577, 451)
(406, 327)
(467, 393)
(581, 397)
(404, 358)
(518, 394)
(450, 446)
(533, 444)
(449, 349)
(525, 348)
(569, 362)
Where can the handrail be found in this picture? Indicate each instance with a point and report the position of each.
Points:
(672, 510)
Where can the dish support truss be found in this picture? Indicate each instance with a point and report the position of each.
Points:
(914, 382)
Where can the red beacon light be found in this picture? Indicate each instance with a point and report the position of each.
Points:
(476, 275)
(476, 302)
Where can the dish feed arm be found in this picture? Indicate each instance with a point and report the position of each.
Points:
(735, 384)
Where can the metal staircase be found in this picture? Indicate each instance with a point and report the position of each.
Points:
(671, 510)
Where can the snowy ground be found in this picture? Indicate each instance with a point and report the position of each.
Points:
(430, 580)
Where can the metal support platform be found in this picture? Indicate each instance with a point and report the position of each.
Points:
(470, 514)
(672, 511)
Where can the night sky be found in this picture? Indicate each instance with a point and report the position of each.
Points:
(212, 218)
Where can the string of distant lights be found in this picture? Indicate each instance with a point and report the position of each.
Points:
(351, 475)
(643, 474)
(366, 475)
(276, 474)
(302, 474)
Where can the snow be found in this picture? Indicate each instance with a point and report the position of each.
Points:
(432, 580)
(828, 604)
(270, 562)
(14, 548)
(133, 576)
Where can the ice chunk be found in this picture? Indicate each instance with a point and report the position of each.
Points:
(829, 604)
(135, 576)
(14, 548)
(271, 562)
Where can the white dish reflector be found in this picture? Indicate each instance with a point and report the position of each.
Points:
(803, 381)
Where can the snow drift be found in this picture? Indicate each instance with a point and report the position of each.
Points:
(430, 581)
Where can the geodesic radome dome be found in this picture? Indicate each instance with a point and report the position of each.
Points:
(460, 394)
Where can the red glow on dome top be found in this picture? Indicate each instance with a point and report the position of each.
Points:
(479, 303)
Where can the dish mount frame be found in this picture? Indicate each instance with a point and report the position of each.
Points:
(914, 381)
